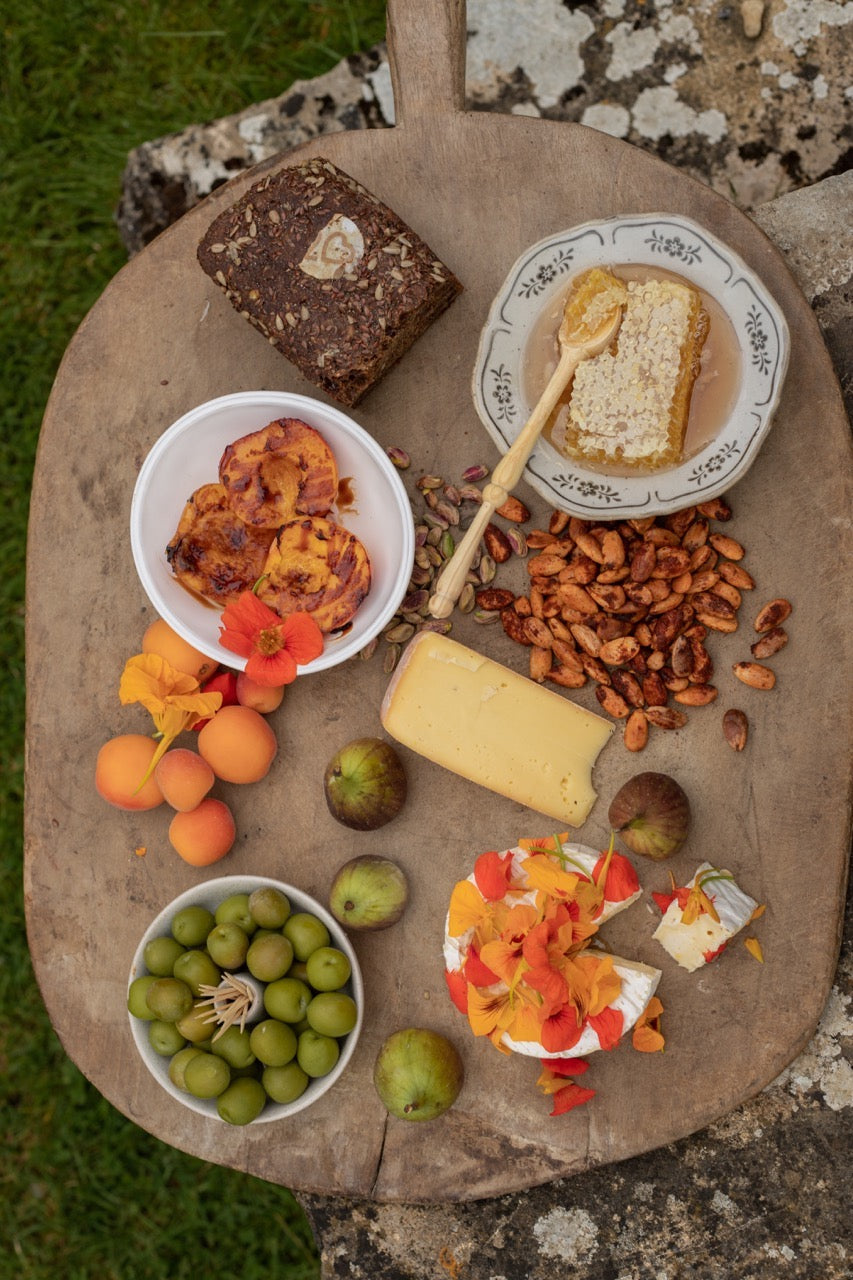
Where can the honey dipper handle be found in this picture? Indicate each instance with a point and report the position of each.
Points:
(505, 477)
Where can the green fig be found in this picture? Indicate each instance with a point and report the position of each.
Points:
(365, 784)
(418, 1074)
(369, 892)
(651, 813)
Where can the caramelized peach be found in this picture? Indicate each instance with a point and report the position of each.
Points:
(162, 640)
(184, 778)
(205, 834)
(121, 765)
(238, 744)
(261, 697)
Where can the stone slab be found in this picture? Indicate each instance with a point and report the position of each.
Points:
(754, 116)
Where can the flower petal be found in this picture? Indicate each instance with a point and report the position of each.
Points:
(492, 874)
(303, 639)
(570, 1096)
(753, 946)
(273, 669)
(458, 989)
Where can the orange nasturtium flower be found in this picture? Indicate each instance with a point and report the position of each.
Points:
(172, 698)
(556, 1080)
(274, 647)
(647, 1035)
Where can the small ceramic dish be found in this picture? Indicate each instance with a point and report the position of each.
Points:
(187, 455)
(746, 323)
(210, 895)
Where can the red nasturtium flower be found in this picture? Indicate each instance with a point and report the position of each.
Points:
(555, 1080)
(274, 647)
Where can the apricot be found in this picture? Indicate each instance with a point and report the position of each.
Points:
(238, 744)
(120, 767)
(205, 834)
(262, 697)
(184, 778)
(161, 639)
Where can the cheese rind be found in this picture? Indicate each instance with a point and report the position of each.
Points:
(495, 727)
(693, 944)
(639, 983)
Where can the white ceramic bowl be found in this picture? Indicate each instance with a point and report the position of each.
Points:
(210, 895)
(677, 245)
(187, 455)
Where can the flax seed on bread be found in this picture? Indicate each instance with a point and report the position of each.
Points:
(629, 406)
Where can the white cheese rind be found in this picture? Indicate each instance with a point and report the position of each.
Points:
(639, 981)
(688, 944)
(495, 727)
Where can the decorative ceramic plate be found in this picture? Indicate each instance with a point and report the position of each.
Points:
(751, 333)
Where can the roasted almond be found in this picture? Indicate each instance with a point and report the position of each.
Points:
(666, 717)
(768, 644)
(643, 562)
(576, 597)
(513, 509)
(494, 597)
(753, 674)
(728, 547)
(626, 683)
(613, 550)
(772, 614)
(523, 605)
(655, 691)
(594, 669)
(538, 538)
(567, 678)
(612, 702)
(513, 624)
(540, 664)
(716, 623)
(636, 731)
(566, 655)
(545, 565)
(696, 695)
(558, 522)
(728, 592)
(588, 639)
(538, 632)
(736, 575)
(715, 509)
(496, 544)
(735, 728)
(618, 652)
(695, 536)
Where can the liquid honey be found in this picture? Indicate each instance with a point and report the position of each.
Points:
(715, 390)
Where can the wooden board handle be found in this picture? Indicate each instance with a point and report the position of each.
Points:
(426, 53)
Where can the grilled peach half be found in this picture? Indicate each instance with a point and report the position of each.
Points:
(284, 470)
(214, 553)
(318, 567)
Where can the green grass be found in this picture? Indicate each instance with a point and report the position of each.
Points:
(86, 1194)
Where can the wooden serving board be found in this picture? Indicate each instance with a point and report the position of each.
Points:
(479, 188)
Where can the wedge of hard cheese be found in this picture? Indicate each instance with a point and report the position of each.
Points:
(495, 727)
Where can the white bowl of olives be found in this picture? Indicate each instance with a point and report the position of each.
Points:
(245, 999)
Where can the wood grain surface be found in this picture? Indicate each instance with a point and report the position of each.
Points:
(479, 188)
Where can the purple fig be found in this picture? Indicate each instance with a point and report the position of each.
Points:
(365, 784)
(651, 813)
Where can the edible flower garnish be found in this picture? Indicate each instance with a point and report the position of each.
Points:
(526, 973)
(554, 1080)
(753, 946)
(172, 697)
(274, 647)
(647, 1033)
(693, 901)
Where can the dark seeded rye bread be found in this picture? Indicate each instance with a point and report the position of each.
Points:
(329, 274)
